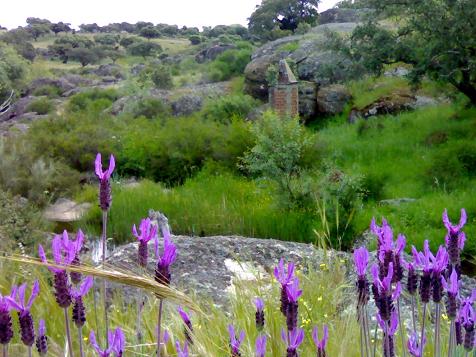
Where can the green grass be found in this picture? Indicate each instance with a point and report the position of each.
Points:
(205, 205)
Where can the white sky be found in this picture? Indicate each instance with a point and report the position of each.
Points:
(198, 13)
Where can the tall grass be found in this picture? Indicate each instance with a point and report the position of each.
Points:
(205, 205)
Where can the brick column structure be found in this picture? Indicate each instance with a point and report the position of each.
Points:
(284, 97)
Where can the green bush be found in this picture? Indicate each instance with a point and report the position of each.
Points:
(226, 108)
(229, 64)
(40, 106)
(95, 99)
(13, 70)
(159, 75)
(149, 108)
(49, 91)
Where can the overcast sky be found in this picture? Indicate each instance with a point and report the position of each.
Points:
(198, 13)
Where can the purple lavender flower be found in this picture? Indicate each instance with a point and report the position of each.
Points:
(361, 259)
(292, 293)
(440, 263)
(76, 245)
(79, 311)
(455, 238)
(383, 293)
(104, 181)
(389, 330)
(260, 346)
(452, 291)
(385, 245)
(188, 329)
(413, 345)
(412, 275)
(293, 339)
(234, 342)
(17, 302)
(284, 277)
(426, 259)
(148, 231)
(164, 261)
(181, 352)
(115, 340)
(119, 342)
(467, 321)
(259, 315)
(64, 253)
(41, 339)
(6, 331)
(320, 344)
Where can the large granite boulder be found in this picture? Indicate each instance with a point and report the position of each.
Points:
(332, 99)
(307, 100)
(186, 105)
(307, 51)
(210, 53)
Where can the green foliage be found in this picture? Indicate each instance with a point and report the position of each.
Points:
(20, 39)
(149, 32)
(13, 70)
(150, 108)
(128, 40)
(289, 47)
(283, 15)
(195, 39)
(107, 39)
(49, 91)
(163, 151)
(84, 56)
(278, 154)
(441, 47)
(37, 30)
(41, 106)
(229, 64)
(227, 108)
(144, 49)
(95, 99)
(159, 75)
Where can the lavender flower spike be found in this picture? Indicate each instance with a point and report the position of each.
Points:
(148, 231)
(119, 342)
(234, 342)
(389, 331)
(164, 261)
(181, 352)
(6, 331)
(361, 259)
(455, 238)
(284, 277)
(467, 321)
(111, 337)
(76, 245)
(260, 346)
(104, 181)
(452, 290)
(188, 330)
(17, 302)
(296, 337)
(292, 293)
(413, 345)
(42, 340)
(320, 344)
(259, 315)
(79, 311)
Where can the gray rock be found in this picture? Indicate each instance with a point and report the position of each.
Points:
(64, 210)
(187, 105)
(307, 100)
(109, 70)
(210, 53)
(397, 201)
(18, 108)
(61, 83)
(338, 15)
(397, 72)
(332, 99)
(137, 68)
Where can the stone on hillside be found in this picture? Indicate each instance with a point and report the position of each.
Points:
(186, 105)
(337, 15)
(64, 210)
(210, 53)
(387, 105)
(18, 108)
(62, 84)
(332, 99)
(307, 100)
(397, 72)
(109, 70)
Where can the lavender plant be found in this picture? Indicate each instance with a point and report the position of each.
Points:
(320, 343)
(42, 339)
(260, 346)
(17, 302)
(259, 314)
(361, 260)
(105, 199)
(79, 310)
(188, 328)
(452, 304)
(235, 343)
(162, 271)
(181, 352)
(6, 330)
(147, 231)
(389, 328)
(292, 293)
(115, 343)
(413, 345)
(293, 339)
(284, 277)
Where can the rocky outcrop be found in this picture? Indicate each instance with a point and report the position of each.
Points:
(332, 99)
(210, 53)
(186, 105)
(307, 100)
(307, 51)
(338, 15)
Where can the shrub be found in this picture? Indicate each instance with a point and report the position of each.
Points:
(149, 108)
(144, 49)
(195, 39)
(13, 70)
(228, 64)
(226, 108)
(50, 91)
(96, 99)
(159, 75)
(40, 106)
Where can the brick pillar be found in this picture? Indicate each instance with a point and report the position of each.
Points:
(284, 96)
